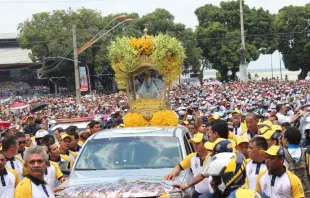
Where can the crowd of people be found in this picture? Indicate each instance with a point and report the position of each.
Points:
(260, 132)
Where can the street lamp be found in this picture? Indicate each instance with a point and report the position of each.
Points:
(94, 39)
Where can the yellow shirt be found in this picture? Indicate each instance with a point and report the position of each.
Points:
(33, 188)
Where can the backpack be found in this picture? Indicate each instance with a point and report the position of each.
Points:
(299, 168)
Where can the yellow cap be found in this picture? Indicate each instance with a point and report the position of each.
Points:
(64, 136)
(198, 137)
(275, 151)
(270, 134)
(268, 123)
(264, 130)
(276, 128)
(209, 146)
(236, 111)
(242, 139)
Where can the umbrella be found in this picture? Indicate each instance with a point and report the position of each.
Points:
(38, 107)
(5, 124)
(214, 83)
(18, 105)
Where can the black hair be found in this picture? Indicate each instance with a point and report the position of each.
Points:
(117, 113)
(221, 127)
(85, 135)
(71, 129)
(93, 123)
(38, 121)
(260, 142)
(20, 135)
(59, 129)
(111, 125)
(293, 135)
(285, 124)
(74, 134)
(278, 107)
(7, 142)
(48, 138)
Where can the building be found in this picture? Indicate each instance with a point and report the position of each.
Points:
(15, 64)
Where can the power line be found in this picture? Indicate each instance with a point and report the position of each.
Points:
(51, 1)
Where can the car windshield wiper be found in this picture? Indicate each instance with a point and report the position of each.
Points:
(85, 169)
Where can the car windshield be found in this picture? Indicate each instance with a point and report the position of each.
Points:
(130, 153)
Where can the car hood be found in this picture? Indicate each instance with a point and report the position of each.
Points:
(120, 183)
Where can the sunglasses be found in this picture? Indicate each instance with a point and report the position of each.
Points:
(22, 142)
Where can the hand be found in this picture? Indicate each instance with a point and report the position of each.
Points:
(62, 180)
(59, 188)
(170, 176)
(180, 186)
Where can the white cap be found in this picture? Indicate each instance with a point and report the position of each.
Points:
(41, 133)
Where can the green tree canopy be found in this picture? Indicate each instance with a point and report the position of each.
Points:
(50, 35)
(294, 40)
(219, 37)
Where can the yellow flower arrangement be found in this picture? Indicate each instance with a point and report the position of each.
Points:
(166, 53)
(142, 45)
(164, 118)
(134, 120)
(160, 118)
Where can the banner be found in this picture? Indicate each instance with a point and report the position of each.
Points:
(83, 79)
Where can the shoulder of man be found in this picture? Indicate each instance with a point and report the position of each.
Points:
(17, 179)
(19, 158)
(23, 189)
(73, 153)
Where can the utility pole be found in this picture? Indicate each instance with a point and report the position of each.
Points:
(280, 66)
(243, 64)
(271, 68)
(76, 69)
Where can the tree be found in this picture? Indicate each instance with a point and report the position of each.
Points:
(50, 35)
(162, 21)
(295, 43)
(218, 35)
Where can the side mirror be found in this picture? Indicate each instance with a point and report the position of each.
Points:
(64, 167)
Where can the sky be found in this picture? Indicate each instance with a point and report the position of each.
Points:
(13, 12)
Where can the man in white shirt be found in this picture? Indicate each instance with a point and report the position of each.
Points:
(281, 111)
(277, 181)
(33, 185)
(257, 147)
(9, 179)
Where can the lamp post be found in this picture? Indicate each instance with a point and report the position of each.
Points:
(243, 64)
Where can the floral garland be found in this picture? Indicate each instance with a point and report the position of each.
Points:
(134, 120)
(167, 55)
(160, 118)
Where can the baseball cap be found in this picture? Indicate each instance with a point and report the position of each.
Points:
(222, 146)
(264, 129)
(268, 123)
(64, 136)
(270, 134)
(242, 139)
(209, 146)
(276, 151)
(276, 128)
(236, 111)
(199, 137)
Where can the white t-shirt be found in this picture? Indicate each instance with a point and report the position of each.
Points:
(252, 171)
(7, 186)
(282, 118)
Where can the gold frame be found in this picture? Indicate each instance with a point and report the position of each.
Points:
(145, 106)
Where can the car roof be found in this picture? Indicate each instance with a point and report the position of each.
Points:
(82, 125)
(141, 131)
